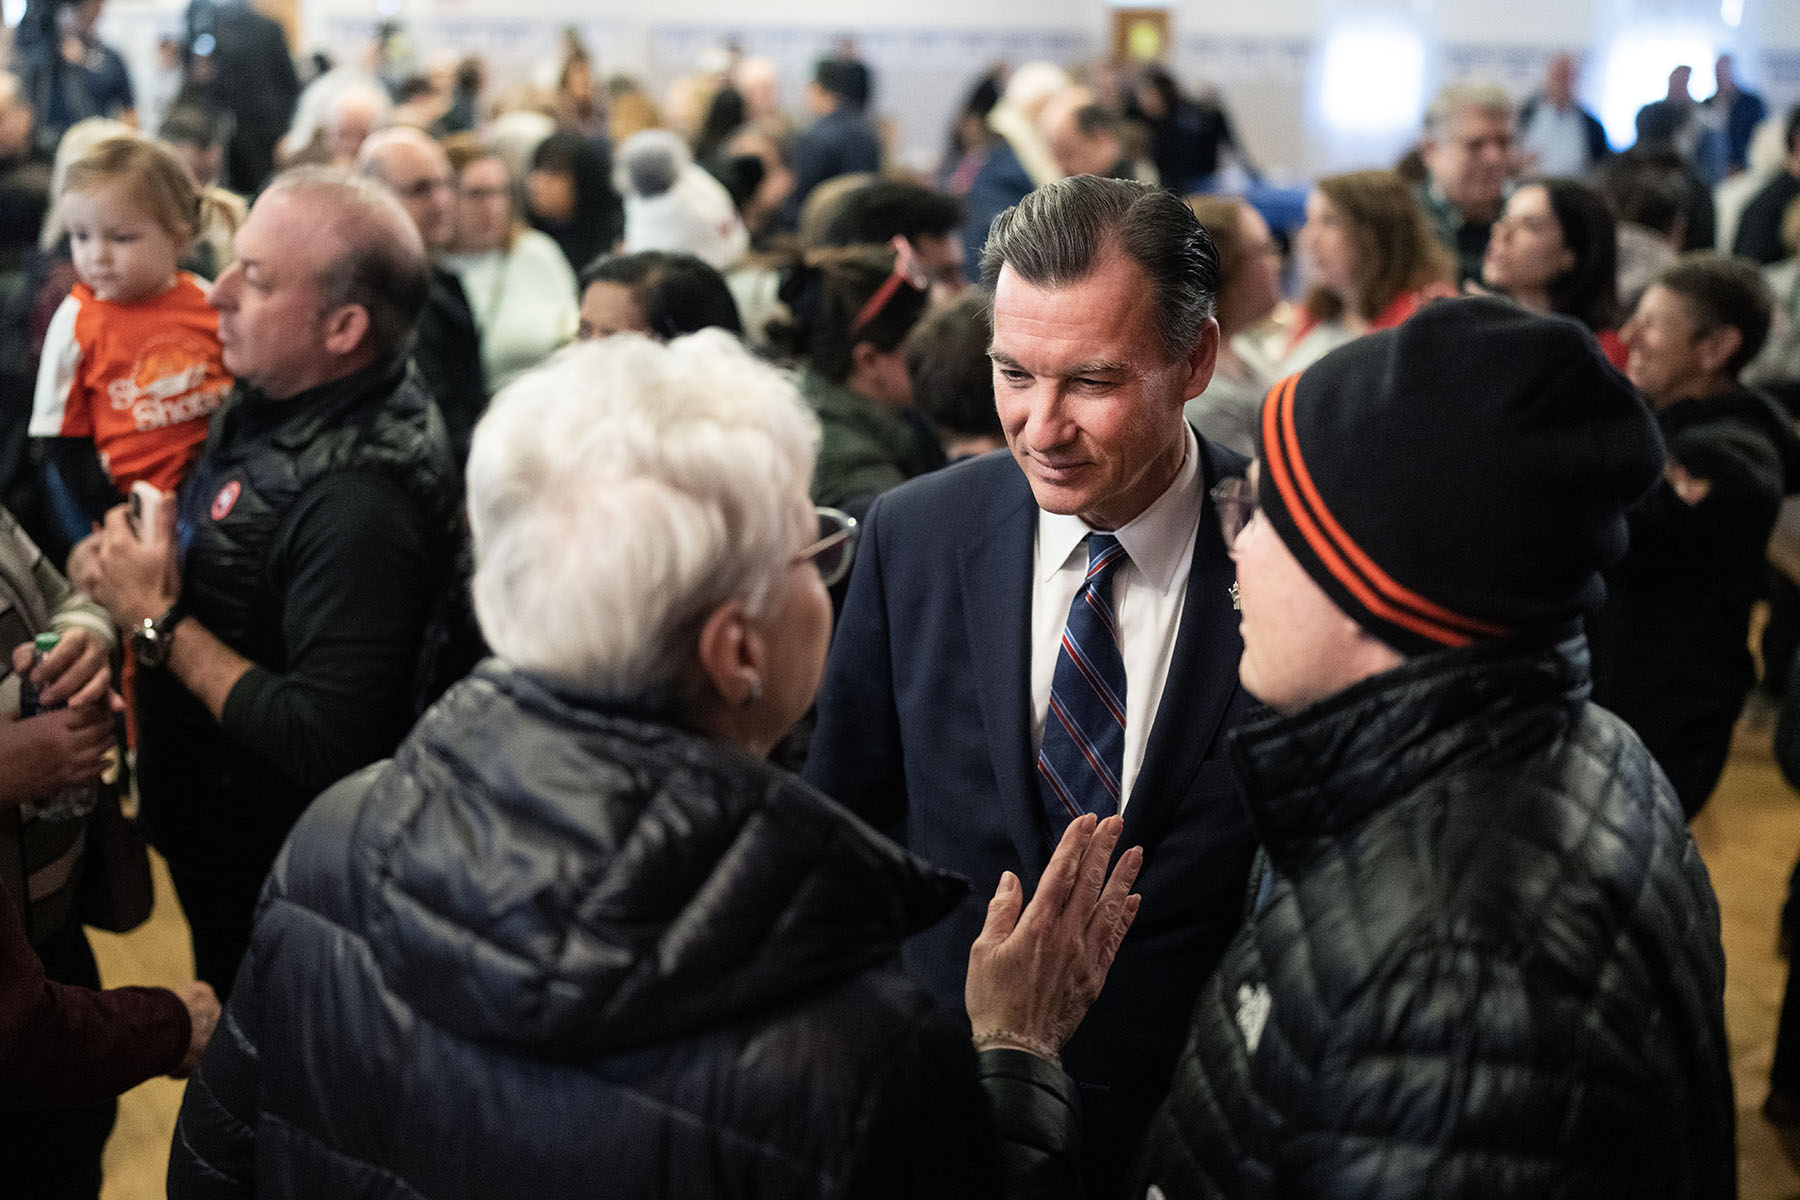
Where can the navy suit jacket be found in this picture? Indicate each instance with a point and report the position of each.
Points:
(925, 730)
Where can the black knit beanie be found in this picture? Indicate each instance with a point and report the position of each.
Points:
(1462, 477)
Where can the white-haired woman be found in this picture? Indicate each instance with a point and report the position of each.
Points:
(577, 938)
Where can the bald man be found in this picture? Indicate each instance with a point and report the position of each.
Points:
(411, 164)
(278, 649)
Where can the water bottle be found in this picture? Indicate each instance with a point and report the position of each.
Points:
(66, 804)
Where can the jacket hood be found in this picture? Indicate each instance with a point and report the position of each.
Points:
(1757, 415)
(568, 877)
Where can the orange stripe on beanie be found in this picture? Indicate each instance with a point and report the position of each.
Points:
(1460, 478)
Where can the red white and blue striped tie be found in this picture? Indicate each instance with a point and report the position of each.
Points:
(1084, 736)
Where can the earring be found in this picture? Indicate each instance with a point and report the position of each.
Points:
(755, 694)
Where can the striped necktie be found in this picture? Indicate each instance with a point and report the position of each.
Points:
(1084, 735)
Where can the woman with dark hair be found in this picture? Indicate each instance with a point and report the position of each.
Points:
(570, 196)
(852, 310)
(1555, 250)
(1372, 258)
(655, 292)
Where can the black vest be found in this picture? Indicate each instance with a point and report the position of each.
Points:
(261, 457)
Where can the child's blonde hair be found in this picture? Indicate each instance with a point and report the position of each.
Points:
(157, 179)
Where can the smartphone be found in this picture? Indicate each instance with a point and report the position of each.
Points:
(146, 507)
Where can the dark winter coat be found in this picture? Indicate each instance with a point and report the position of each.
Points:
(555, 948)
(1486, 962)
(1670, 652)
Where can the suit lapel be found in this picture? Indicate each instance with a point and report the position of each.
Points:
(1202, 673)
(994, 570)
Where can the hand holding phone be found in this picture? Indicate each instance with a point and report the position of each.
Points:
(146, 508)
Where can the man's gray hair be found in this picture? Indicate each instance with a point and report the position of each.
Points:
(622, 492)
(1477, 95)
(383, 268)
(1058, 235)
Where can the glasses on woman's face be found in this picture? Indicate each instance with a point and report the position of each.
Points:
(1234, 500)
(907, 270)
(835, 550)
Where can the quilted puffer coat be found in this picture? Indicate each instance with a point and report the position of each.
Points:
(557, 950)
(1486, 962)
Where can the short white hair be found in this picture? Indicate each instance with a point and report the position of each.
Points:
(624, 490)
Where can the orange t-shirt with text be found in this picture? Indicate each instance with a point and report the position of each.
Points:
(138, 380)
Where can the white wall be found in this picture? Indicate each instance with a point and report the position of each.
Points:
(1263, 55)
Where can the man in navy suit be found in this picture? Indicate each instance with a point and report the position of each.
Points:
(963, 632)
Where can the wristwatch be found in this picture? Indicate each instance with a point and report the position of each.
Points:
(150, 641)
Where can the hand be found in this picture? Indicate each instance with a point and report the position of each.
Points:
(76, 672)
(53, 750)
(83, 567)
(1036, 975)
(1692, 489)
(135, 575)
(203, 1015)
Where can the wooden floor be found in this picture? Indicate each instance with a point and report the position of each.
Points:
(1749, 834)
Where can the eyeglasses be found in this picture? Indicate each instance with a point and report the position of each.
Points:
(418, 189)
(835, 550)
(1234, 500)
(907, 270)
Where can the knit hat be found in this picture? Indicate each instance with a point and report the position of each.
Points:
(1462, 477)
(672, 204)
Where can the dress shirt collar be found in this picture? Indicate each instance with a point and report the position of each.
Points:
(1156, 540)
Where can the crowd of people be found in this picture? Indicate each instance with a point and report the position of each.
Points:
(667, 655)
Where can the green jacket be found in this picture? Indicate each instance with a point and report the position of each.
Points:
(864, 450)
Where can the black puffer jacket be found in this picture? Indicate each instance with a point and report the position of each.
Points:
(552, 949)
(1486, 962)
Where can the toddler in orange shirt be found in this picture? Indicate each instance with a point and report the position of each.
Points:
(132, 368)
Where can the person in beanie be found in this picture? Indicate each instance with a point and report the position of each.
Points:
(1482, 954)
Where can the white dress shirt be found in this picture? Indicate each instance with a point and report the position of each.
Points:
(1148, 594)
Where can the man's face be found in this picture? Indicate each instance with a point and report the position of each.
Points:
(1089, 403)
(483, 206)
(1666, 351)
(1471, 158)
(1299, 647)
(271, 322)
(419, 174)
